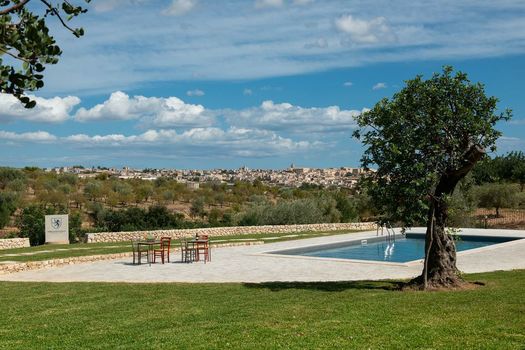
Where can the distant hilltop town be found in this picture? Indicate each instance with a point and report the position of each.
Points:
(290, 177)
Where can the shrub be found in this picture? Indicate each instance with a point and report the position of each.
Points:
(31, 223)
(135, 219)
(300, 211)
(8, 204)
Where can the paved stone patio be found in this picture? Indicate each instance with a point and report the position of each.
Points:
(252, 264)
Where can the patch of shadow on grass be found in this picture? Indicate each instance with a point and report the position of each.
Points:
(328, 286)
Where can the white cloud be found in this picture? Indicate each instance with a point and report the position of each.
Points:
(379, 86)
(180, 7)
(120, 106)
(37, 136)
(362, 31)
(198, 141)
(348, 84)
(302, 2)
(247, 92)
(161, 112)
(175, 112)
(268, 3)
(110, 5)
(229, 40)
(51, 110)
(293, 119)
(195, 92)
(320, 43)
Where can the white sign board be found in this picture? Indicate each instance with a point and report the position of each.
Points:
(57, 229)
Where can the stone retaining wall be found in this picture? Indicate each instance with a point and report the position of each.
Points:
(10, 243)
(225, 231)
(33, 265)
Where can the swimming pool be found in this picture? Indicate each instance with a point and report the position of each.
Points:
(403, 249)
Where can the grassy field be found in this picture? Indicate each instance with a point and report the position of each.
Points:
(344, 315)
(60, 251)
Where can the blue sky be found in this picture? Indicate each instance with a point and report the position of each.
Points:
(261, 83)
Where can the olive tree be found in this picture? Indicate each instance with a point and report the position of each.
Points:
(423, 141)
(497, 196)
(26, 45)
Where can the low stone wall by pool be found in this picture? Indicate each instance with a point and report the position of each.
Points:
(10, 243)
(226, 231)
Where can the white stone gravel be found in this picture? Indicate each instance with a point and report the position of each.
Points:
(252, 264)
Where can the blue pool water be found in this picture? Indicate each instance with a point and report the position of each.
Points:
(402, 250)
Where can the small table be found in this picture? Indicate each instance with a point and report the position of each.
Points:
(151, 245)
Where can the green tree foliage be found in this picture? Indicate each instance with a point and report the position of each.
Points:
(299, 211)
(26, 45)
(75, 227)
(132, 219)
(497, 196)
(197, 207)
(424, 141)
(505, 168)
(346, 206)
(8, 205)
(462, 203)
(31, 222)
(518, 172)
(8, 175)
(93, 190)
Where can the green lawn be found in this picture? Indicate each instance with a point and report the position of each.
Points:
(60, 251)
(345, 315)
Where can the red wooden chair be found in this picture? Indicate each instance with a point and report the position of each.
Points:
(164, 251)
(202, 246)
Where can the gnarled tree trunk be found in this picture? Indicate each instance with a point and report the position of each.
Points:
(440, 269)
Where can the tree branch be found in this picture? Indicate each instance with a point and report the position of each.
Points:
(449, 180)
(15, 56)
(14, 7)
(56, 13)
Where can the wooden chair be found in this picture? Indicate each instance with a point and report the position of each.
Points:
(202, 246)
(138, 253)
(164, 251)
(187, 250)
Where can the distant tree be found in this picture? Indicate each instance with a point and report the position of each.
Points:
(143, 192)
(214, 217)
(124, 191)
(8, 205)
(503, 168)
(70, 179)
(346, 206)
(18, 185)
(462, 203)
(197, 207)
(93, 190)
(159, 217)
(423, 142)
(518, 171)
(299, 211)
(78, 199)
(497, 196)
(25, 38)
(168, 196)
(8, 175)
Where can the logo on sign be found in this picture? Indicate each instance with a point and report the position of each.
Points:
(56, 223)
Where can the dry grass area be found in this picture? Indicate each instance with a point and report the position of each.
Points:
(508, 218)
